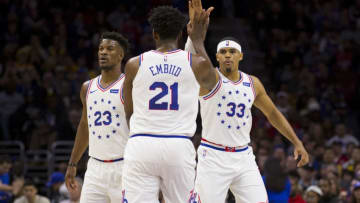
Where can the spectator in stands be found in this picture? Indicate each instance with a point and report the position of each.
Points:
(56, 180)
(328, 196)
(30, 192)
(313, 194)
(8, 190)
(342, 136)
(296, 190)
(307, 174)
(276, 181)
(355, 195)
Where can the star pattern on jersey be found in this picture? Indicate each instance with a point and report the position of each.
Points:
(225, 109)
(111, 118)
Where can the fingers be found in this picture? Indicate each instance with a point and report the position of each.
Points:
(296, 155)
(209, 10)
(304, 159)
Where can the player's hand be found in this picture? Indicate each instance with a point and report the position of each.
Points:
(194, 5)
(301, 151)
(70, 178)
(198, 27)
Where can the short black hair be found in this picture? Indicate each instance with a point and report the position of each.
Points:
(29, 182)
(167, 21)
(123, 41)
(230, 38)
(5, 159)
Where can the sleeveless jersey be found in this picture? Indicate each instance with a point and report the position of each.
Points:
(108, 130)
(165, 94)
(226, 111)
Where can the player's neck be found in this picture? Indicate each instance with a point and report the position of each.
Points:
(166, 45)
(233, 76)
(110, 75)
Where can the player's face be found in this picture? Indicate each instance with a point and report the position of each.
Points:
(228, 59)
(110, 54)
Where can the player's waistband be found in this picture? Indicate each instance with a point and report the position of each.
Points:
(108, 161)
(220, 147)
(160, 136)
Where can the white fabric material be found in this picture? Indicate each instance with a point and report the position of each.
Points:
(102, 182)
(154, 164)
(189, 46)
(226, 112)
(228, 43)
(108, 130)
(165, 95)
(219, 171)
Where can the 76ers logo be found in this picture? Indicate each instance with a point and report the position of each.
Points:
(194, 197)
(124, 200)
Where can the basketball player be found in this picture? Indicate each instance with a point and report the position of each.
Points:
(161, 91)
(224, 158)
(102, 126)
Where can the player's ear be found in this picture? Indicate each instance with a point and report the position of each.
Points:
(121, 53)
(241, 56)
(156, 36)
(217, 57)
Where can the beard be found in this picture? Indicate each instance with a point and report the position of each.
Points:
(228, 69)
(107, 68)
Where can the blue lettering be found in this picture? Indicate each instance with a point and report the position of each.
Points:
(171, 69)
(159, 69)
(151, 69)
(177, 72)
(166, 68)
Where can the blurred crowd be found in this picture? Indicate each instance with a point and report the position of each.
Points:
(310, 70)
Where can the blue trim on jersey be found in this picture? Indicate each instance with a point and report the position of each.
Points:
(214, 91)
(190, 60)
(222, 149)
(159, 136)
(140, 59)
(108, 161)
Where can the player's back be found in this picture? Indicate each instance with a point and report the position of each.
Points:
(165, 95)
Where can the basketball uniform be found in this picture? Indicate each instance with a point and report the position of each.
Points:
(224, 158)
(108, 134)
(159, 154)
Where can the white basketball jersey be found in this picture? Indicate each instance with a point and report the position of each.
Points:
(108, 130)
(165, 95)
(226, 111)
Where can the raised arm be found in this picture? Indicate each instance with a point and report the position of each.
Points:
(204, 70)
(131, 68)
(277, 119)
(81, 141)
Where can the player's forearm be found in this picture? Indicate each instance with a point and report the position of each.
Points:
(278, 120)
(80, 145)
